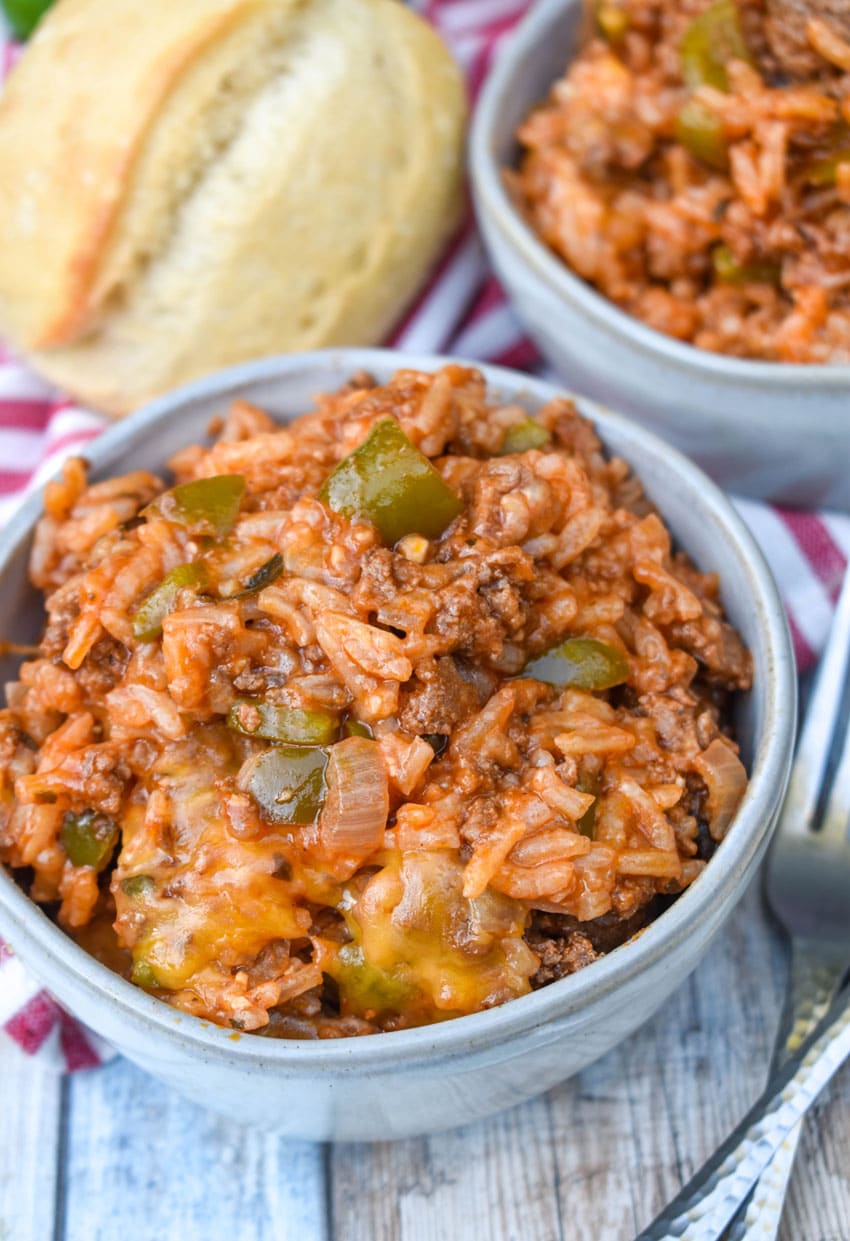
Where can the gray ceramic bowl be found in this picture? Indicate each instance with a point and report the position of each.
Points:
(765, 429)
(416, 1081)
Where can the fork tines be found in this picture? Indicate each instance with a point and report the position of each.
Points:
(819, 791)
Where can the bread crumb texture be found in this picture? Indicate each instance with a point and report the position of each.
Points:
(188, 186)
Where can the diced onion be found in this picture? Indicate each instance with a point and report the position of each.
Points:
(357, 804)
(726, 780)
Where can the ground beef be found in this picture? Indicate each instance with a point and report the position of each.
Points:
(785, 28)
(565, 945)
(104, 667)
(438, 698)
(383, 574)
(485, 606)
(63, 607)
(674, 719)
(717, 646)
(559, 957)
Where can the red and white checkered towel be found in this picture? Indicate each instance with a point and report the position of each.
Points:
(462, 311)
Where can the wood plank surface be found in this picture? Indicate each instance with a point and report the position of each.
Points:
(602, 1153)
(30, 1129)
(590, 1162)
(819, 1200)
(454, 1185)
(143, 1165)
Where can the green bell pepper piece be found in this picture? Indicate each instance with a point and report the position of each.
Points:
(709, 43)
(701, 132)
(264, 576)
(138, 886)
(24, 15)
(728, 270)
(206, 506)
(288, 724)
(524, 436)
(89, 838)
(356, 728)
(365, 988)
(148, 618)
(143, 975)
(288, 783)
(585, 663)
(437, 741)
(388, 481)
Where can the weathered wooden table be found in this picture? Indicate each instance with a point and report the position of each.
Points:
(109, 1155)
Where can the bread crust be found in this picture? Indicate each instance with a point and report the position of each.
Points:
(185, 186)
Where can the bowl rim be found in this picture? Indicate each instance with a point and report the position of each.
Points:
(747, 835)
(495, 201)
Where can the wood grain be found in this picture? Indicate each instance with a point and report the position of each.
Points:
(819, 1200)
(142, 1165)
(593, 1161)
(452, 1185)
(30, 1128)
(601, 1154)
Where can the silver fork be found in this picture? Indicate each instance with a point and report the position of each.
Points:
(807, 883)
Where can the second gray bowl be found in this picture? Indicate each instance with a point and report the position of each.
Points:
(766, 429)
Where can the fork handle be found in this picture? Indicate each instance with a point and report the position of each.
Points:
(707, 1203)
(816, 971)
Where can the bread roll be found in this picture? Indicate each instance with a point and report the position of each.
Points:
(186, 184)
